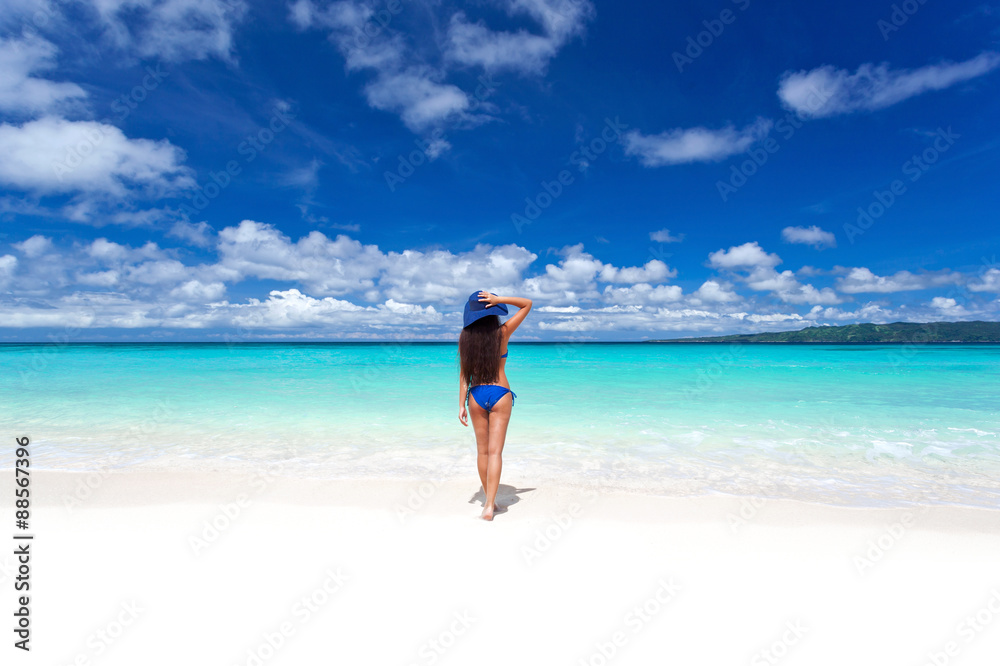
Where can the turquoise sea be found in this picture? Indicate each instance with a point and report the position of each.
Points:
(857, 425)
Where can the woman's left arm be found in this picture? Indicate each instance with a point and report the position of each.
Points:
(463, 415)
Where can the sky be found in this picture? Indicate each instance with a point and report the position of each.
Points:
(233, 170)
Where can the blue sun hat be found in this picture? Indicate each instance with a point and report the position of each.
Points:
(476, 309)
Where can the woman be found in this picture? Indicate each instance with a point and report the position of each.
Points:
(482, 350)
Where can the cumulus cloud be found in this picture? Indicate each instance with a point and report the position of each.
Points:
(948, 307)
(55, 155)
(22, 93)
(748, 255)
(827, 91)
(862, 280)
(653, 271)
(576, 275)
(698, 144)
(712, 291)
(292, 309)
(788, 289)
(340, 288)
(522, 51)
(761, 275)
(813, 235)
(988, 281)
(35, 246)
(344, 266)
(642, 294)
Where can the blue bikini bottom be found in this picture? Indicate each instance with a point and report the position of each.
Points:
(487, 395)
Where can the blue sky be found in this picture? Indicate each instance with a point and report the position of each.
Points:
(231, 170)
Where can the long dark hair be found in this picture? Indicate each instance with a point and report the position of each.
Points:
(479, 350)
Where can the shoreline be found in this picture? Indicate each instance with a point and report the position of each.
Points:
(447, 498)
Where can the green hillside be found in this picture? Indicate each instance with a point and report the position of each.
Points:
(962, 331)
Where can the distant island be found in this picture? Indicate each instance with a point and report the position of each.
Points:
(899, 332)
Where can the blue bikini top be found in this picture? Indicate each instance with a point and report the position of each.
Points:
(504, 355)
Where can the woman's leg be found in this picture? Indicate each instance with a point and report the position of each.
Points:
(480, 423)
(499, 418)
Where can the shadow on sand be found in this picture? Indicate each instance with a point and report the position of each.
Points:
(506, 496)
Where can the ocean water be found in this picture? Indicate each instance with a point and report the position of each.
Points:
(865, 425)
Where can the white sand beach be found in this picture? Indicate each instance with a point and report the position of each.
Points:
(170, 568)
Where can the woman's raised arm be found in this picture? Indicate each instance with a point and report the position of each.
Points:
(524, 307)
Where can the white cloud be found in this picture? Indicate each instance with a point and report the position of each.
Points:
(171, 30)
(199, 235)
(411, 81)
(712, 291)
(787, 288)
(419, 100)
(304, 177)
(35, 246)
(827, 91)
(748, 255)
(948, 307)
(575, 277)
(340, 288)
(55, 155)
(339, 266)
(344, 266)
(664, 236)
(813, 235)
(441, 276)
(862, 280)
(401, 85)
(654, 271)
(8, 264)
(22, 93)
(292, 309)
(988, 281)
(475, 44)
(698, 144)
(808, 294)
(642, 294)
(198, 292)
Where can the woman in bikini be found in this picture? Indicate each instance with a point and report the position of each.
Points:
(482, 350)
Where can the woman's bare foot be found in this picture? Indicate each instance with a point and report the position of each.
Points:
(488, 514)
